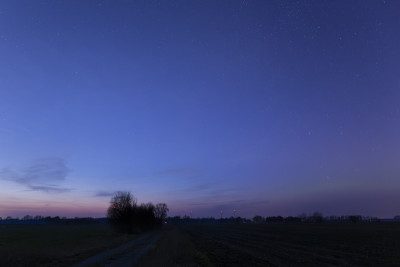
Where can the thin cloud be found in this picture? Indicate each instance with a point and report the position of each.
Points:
(174, 171)
(45, 170)
(41, 175)
(104, 194)
(202, 187)
(230, 203)
(48, 189)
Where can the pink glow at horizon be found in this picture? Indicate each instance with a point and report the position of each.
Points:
(59, 210)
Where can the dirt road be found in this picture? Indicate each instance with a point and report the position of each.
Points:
(125, 255)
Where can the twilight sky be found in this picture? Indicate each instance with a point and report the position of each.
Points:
(268, 107)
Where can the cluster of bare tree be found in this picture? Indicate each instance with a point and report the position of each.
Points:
(127, 216)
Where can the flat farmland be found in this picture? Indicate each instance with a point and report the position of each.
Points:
(297, 244)
(55, 245)
(203, 245)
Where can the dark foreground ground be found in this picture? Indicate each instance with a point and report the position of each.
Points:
(203, 245)
(279, 245)
(55, 245)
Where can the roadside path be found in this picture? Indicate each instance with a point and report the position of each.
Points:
(125, 255)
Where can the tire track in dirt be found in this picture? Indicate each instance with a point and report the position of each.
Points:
(125, 255)
(133, 256)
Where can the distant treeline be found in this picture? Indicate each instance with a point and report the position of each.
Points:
(27, 219)
(313, 218)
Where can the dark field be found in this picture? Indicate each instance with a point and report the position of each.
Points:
(54, 245)
(210, 245)
(281, 244)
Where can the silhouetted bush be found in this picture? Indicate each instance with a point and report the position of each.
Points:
(291, 219)
(355, 218)
(258, 219)
(316, 217)
(274, 219)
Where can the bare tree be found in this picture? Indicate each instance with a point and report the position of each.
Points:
(121, 213)
(160, 212)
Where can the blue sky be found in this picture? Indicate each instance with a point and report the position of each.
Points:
(269, 107)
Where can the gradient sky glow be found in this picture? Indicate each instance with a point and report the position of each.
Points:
(269, 107)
